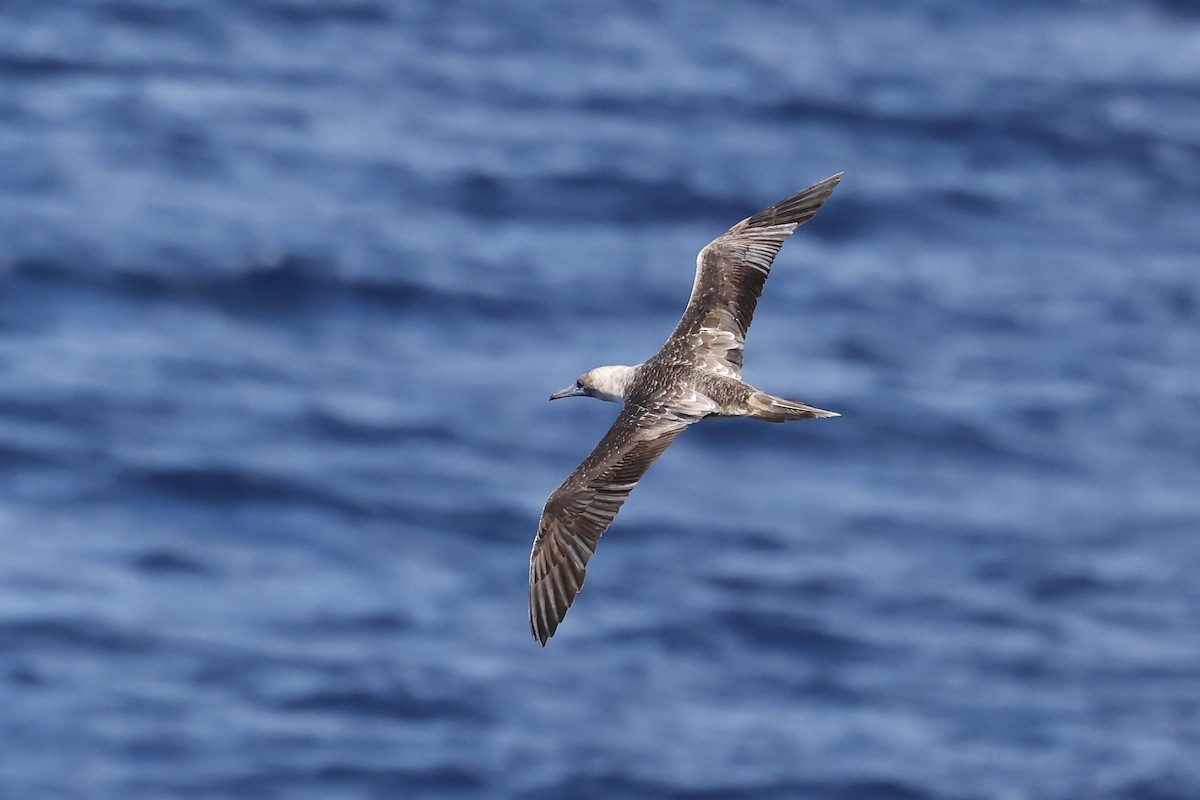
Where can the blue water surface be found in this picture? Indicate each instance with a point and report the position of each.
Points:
(284, 286)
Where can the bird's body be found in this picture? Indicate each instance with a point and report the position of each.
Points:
(696, 374)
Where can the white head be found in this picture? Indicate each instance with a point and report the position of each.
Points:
(606, 383)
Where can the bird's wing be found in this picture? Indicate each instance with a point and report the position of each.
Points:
(580, 510)
(730, 273)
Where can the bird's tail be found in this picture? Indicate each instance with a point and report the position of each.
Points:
(767, 407)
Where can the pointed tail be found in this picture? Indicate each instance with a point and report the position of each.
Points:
(767, 407)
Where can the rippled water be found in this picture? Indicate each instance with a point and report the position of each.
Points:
(284, 287)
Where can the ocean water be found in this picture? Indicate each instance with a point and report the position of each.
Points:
(284, 287)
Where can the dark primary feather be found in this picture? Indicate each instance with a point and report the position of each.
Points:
(730, 273)
(580, 510)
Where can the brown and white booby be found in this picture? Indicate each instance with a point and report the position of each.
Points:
(696, 374)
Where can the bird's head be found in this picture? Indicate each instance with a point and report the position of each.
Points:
(605, 383)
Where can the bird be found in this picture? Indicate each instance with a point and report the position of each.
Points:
(697, 373)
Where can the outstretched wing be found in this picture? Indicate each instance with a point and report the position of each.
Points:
(580, 510)
(730, 273)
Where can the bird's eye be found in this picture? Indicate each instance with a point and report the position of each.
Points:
(578, 384)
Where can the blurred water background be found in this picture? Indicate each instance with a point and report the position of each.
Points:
(284, 287)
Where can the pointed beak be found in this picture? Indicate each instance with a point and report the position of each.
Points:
(570, 391)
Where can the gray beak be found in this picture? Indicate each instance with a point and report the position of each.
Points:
(570, 391)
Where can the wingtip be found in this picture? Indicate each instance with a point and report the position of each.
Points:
(829, 183)
(794, 210)
(539, 633)
(541, 624)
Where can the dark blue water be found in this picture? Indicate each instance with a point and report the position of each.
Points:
(284, 286)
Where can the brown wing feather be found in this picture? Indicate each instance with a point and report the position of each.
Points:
(730, 273)
(580, 510)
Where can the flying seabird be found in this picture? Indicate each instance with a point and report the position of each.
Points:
(696, 374)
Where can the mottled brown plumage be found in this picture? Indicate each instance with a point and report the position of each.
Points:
(696, 374)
